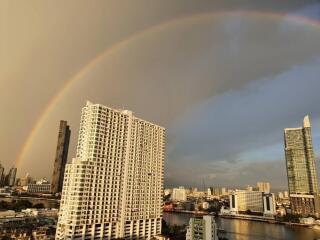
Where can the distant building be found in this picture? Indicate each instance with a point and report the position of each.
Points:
(301, 170)
(41, 186)
(202, 228)
(61, 156)
(1, 175)
(11, 179)
(263, 187)
(252, 201)
(179, 194)
(26, 180)
(280, 195)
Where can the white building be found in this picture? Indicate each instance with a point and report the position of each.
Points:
(179, 194)
(253, 201)
(202, 228)
(41, 186)
(263, 187)
(113, 188)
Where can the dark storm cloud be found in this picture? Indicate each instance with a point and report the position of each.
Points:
(159, 76)
(225, 127)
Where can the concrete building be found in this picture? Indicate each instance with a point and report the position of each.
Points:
(301, 170)
(113, 188)
(179, 194)
(11, 179)
(61, 156)
(263, 187)
(202, 228)
(254, 201)
(41, 186)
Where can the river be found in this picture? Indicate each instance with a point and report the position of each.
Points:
(250, 230)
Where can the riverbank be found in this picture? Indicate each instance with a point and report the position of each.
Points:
(242, 217)
(235, 229)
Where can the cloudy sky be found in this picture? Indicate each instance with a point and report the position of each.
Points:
(224, 77)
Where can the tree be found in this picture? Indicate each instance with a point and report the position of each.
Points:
(38, 205)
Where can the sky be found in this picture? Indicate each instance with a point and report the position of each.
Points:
(223, 77)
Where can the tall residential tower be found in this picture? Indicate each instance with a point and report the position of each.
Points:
(61, 157)
(301, 169)
(113, 188)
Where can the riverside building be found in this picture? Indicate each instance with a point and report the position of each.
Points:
(242, 202)
(301, 170)
(113, 188)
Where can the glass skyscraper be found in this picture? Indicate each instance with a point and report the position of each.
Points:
(301, 169)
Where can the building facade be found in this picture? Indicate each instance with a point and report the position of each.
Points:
(301, 169)
(113, 188)
(253, 201)
(11, 180)
(61, 156)
(179, 194)
(202, 228)
(263, 187)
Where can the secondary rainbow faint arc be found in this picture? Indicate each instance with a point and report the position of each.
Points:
(136, 36)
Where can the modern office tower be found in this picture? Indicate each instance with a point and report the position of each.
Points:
(113, 188)
(11, 180)
(253, 201)
(61, 157)
(202, 228)
(301, 170)
(179, 194)
(263, 187)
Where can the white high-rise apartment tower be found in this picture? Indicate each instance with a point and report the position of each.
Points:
(113, 188)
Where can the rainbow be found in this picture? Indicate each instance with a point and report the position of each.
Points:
(138, 36)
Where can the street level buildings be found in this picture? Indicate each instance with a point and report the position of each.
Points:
(301, 169)
(61, 156)
(202, 228)
(113, 188)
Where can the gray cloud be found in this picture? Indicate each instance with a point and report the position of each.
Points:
(159, 76)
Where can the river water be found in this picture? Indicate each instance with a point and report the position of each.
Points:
(250, 230)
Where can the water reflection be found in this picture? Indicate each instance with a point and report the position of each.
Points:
(249, 230)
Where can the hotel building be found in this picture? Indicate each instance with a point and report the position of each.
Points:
(113, 188)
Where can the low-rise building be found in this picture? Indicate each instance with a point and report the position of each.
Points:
(41, 186)
(252, 201)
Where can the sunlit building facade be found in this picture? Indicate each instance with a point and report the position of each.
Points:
(113, 188)
(179, 194)
(263, 187)
(202, 228)
(301, 169)
(242, 202)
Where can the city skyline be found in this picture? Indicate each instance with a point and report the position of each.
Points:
(217, 76)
